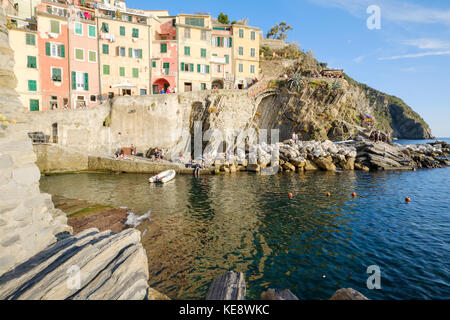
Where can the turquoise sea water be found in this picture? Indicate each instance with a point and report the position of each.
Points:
(312, 245)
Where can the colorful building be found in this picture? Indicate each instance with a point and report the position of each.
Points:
(221, 58)
(125, 51)
(194, 52)
(245, 54)
(24, 41)
(83, 57)
(164, 54)
(52, 22)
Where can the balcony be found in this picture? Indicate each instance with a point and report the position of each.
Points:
(20, 24)
(164, 73)
(218, 60)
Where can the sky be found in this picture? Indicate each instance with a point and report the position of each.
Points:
(407, 56)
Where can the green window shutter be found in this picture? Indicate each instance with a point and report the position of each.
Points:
(92, 32)
(130, 52)
(166, 65)
(153, 64)
(135, 33)
(140, 53)
(163, 47)
(47, 48)
(105, 48)
(34, 105)
(122, 30)
(191, 67)
(227, 59)
(207, 69)
(105, 27)
(31, 62)
(78, 28)
(74, 80)
(135, 73)
(30, 39)
(187, 51)
(56, 74)
(106, 69)
(54, 26)
(122, 71)
(32, 85)
(92, 56)
(203, 53)
(198, 68)
(63, 51)
(86, 81)
(182, 66)
(79, 54)
(231, 42)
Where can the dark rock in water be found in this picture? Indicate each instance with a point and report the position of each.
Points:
(230, 286)
(275, 294)
(348, 294)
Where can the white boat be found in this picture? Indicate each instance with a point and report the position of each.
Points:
(163, 177)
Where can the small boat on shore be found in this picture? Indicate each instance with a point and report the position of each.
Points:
(163, 177)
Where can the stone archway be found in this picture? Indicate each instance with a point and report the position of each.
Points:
(159, 85)
(217, 84)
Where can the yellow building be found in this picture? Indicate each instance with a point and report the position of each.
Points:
(125, 51)
(245, 54)
(194, 52)
(221, 59)
(23, 40)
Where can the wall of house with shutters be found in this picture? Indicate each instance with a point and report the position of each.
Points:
(47, 40)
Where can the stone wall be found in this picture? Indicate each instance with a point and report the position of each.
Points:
(54, 158)
(28, 219)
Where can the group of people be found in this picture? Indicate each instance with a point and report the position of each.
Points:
(168, 90)
(159, 154)
(295, 137)
(378, 136)
(121, 155)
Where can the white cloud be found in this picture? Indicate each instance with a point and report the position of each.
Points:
(428, 44)
(417, 55)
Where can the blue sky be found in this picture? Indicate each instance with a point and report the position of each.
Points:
(408, 57)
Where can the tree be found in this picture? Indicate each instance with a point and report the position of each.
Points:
(223, 18)
(279, 31)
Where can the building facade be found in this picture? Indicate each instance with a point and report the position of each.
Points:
(194, 52)
(221, 56)
(245, 54)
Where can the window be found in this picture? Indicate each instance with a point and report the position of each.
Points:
(122, 30)
(203, 35)
(137, 53)
(105, 27)
(203, 53)
(80, 81)
(135, 33)
(78, 28)
(153, 64)
(92, 56)
(30, 39)
(34, 105)
(252, 52)
(106, 69)
(105, 48)
(253, 35)
(93, 98)
(122, 71)
(143, 92)
(32, 85)
(163, 47)
(135, 73)
(54, 26)
(31, 62)
(187, 33)
(121, 51)
(252, 69)
(241, 67)
(198, 22)
(203, 86)
(79, 54)
(231, 42)
(166, 68)
(92, 32)
(201, 68)
(218, 68)
(187, 67)
(241, 51)
(241, 33)
(56, 74)
(187, 51)
(227, 59)
(55, 50)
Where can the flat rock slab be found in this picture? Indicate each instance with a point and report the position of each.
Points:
(90, 265)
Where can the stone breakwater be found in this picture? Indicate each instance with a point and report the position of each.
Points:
(362, 155)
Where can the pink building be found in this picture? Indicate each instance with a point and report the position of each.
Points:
(83, 58)
(165, 55)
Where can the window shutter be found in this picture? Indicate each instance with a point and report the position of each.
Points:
(207, 69)
(130, 52)
(140, 53)
(47, 48)
(86, 81)
(118, 51)
(198, 68)
(63, 51)
(74, 80)
(192, 67)
(231, 42)
(182, 66)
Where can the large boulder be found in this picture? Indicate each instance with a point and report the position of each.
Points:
(325, 163)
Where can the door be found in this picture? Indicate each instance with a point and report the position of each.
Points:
(155, 89)
(187, 87)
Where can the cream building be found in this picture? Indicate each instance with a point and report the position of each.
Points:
(194, 52)
(125, 51)
(221, 59)
(24, 41)
(245, 54)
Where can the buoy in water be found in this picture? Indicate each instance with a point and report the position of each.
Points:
(354, 194)
(291, 196)
(328, 194)
(407, 199)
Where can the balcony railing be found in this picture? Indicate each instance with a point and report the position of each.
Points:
(164, 73)
(220, 60)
